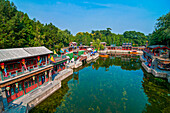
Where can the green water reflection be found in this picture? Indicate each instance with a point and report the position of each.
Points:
(109, 85)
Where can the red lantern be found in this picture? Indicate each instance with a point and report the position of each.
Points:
(48, 55)
(2, 65)
(23, 61)
(38, 58)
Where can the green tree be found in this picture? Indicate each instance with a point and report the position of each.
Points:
(161, 34)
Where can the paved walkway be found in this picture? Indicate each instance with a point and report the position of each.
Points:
(21, 105)
(63, 74)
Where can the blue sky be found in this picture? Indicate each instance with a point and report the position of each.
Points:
(86, 15)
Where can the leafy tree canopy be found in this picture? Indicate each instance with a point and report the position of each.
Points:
(18, 30)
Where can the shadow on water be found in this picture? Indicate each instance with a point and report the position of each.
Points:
(50, 104)
(158, 93)
(157, 90)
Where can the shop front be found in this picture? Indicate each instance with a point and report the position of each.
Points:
(20, 88)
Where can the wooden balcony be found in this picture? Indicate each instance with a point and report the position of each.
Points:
(23, 75)
(21, 71)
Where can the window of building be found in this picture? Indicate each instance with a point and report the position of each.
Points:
(20, 87)
(10, 66)
(32, 62)
(12, 91)
(35, 80)
(26, 85)
(16, 90)
(28, 62)
(7, 68)
(16, 66)
(30, 83)
(43, 58)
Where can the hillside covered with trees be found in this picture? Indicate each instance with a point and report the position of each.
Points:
(161, 34)
(18, 30)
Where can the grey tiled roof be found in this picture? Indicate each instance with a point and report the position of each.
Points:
(37, 50)
(11, 54)
(18, 53)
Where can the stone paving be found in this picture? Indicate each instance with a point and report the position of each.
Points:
(33, 98)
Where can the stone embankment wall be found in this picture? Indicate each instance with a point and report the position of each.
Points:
(95, 56)
(44, 94)
(149, 70)
(63, 75)
(156, 73)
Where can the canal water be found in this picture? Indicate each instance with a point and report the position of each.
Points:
(117, 84)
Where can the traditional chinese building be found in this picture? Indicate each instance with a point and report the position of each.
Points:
(83, 48)
(67, 49)
(156, 60)
(22, 70)
(111, 48)
(73, 44)
(140, 48)
(126, 46)
(59, 63)
(103, 43)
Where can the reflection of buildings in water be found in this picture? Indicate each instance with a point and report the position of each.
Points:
(125, 59)
(111, 57)
(157, 91)
(93, 66)
(76, 77)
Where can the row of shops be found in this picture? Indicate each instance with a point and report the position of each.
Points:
(20, 88)
(126, 47)
(25, 71)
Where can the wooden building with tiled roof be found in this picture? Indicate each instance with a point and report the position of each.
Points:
(22, 70)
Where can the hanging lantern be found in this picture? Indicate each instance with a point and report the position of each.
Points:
(48, 56)
(8, 88)
(45, 72)
(23, 61)
(38, 58)
(33, 77)
(2, 65)
(16, 85)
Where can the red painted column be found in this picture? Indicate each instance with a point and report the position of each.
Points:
(38, 80)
